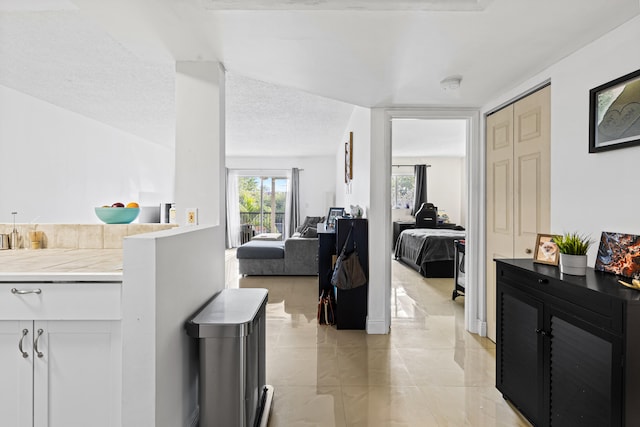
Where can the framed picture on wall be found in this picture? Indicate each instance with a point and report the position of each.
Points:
(546, 250)
(348, 159)
(614, 114)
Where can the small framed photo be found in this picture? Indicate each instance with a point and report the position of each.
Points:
(546, 250)
(614, 113)
(333, 214)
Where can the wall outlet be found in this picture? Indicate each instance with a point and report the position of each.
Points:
(192, 216)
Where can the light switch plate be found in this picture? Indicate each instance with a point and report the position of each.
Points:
(192, 216)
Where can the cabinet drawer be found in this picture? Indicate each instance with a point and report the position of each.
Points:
(598, 309)
(60, 301)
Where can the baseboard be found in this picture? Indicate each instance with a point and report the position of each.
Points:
(194, 419)
(377, 327)
(481, 328)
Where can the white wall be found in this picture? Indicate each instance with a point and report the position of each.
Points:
(58, 165)
(317, 184)
(444, 183)
(590, 193)
(360, 125)
(199, 159)
(167, 276)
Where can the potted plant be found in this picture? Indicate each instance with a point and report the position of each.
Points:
(573, 249)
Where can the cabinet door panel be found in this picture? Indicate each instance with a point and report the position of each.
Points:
(76, 381)
(16, 374)
(519, 358)
(583, 389)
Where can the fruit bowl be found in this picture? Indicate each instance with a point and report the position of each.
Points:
(117, 215)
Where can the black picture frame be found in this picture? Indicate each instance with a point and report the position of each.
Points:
(614, 114)
(334, 212)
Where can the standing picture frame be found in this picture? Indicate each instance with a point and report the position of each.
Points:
(614, 114)
(334, 213)
(546, 250)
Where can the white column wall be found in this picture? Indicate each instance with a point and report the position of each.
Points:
(199, 157)
(380, 233)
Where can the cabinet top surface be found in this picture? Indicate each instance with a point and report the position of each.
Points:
(596, 281)
(61, 264)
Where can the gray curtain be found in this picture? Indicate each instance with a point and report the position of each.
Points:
(294, 208)
(420, 195)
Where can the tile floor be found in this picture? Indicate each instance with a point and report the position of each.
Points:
(427, 372)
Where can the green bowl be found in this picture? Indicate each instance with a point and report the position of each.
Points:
(117, 215)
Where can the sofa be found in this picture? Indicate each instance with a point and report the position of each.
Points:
(296, 256)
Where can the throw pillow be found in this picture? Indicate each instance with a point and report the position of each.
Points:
(310, 221)
(309, 232)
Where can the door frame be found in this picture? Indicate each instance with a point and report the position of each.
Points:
(475, 305)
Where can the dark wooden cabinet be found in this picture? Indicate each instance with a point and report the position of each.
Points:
(350, 305)
(567, 347)
(326, 253)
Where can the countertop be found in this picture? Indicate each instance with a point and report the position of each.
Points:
(82, 265)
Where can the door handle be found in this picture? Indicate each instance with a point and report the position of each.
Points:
(24, 334)
(528, 251)
(35, 343)
(25, 291)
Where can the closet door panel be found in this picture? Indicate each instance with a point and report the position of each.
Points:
(531, 153)
(499, 219)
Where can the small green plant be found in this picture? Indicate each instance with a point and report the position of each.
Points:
(573, 243)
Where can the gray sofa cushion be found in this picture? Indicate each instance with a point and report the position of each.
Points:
(261, 249)
(310, 221)
(309, 232)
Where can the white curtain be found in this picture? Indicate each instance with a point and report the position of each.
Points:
(233, 210)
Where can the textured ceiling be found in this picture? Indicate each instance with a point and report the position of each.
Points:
(269, 120)
(63, 58)
(114, 60)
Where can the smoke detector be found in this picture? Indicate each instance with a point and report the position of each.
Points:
(451, 83)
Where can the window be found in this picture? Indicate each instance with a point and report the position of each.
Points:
(402, 190)
(262, 201)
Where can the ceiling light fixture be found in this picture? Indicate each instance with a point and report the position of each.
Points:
(451, 83)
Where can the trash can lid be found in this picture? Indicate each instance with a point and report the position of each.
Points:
(230, 313)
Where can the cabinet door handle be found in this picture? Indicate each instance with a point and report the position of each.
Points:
(25, 291)
(543, 332)
(543, 281)
(35, 343)
(24, 334)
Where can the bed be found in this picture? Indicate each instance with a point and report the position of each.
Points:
(430, 251)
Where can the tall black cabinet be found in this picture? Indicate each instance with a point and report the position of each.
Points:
(351, 305)
(568, 347)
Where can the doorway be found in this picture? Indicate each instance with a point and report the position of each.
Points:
(382, 143)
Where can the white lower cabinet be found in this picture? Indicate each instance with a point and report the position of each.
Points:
(66, 374)
(59, 373)
(16, 373)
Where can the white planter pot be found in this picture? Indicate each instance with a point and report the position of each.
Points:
(575, 265)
